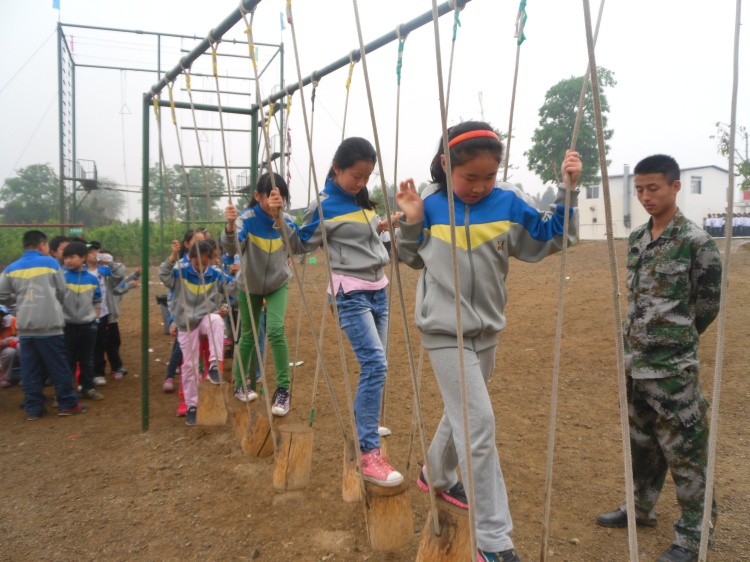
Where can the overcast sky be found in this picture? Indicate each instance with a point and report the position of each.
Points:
(672, 60)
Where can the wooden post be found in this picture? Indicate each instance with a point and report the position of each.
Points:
(293, 461)
(211, 408)
(351, 486)
(390, 522)
(257, 439)
(238, 412)
(454, 542)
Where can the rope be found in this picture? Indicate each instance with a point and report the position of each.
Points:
(519, 35)
(719, 365)
(254, 328)
(456, 24)
(157, 114)
(559, 327)
(325, 245)
(352, 62)
(232, 323)
(469, 476)
(414, 415)
(622, 391)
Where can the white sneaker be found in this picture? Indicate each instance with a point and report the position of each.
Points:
(251, 395)
(100, 381)
(383, 431)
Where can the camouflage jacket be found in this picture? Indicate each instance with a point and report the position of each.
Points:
(674, 284)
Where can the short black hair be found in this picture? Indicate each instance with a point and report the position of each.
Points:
(349, 152)
(659, 164)
(202, 247)
(75, 249)
(94, 244)
(55, 242)
(265, 185)
(32, 239)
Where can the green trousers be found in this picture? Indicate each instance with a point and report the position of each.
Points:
(275, 332)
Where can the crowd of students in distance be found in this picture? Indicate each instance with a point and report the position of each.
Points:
(60, 309)
(716, 224)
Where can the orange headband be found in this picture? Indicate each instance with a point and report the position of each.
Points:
(472, 135)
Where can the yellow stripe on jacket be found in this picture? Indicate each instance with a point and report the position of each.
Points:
(480, 233)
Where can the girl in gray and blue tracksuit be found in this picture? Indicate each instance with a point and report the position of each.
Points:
(493, 222)
(357, 257)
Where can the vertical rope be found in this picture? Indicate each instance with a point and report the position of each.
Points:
(456, 24)
(520, 37)
(457, 288)
(719, 365)
(551, 434)
(352, 62)
(622, 391)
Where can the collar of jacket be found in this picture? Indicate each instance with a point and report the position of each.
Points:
(671, 230)
(333, 188)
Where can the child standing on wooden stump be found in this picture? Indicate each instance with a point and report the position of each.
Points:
(493, 222)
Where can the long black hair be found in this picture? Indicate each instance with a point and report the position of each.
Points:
(349, 152)
(265, 186)
(465, 150)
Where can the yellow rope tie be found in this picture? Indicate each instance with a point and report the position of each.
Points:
(349, 78)
(288, 108)
(171, 103)
(271, 107)
(156, 108)
(213, 61)
(187, 79)
(251, 45)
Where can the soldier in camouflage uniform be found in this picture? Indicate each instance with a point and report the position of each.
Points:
(674, 285)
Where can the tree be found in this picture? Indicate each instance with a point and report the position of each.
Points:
(741, 162)
(544, 200)
(557, 118)
(174, 185)
(32, 196)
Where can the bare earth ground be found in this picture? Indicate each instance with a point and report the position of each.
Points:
(95, 487)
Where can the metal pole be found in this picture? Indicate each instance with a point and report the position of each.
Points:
(161, 177)
(254, 150)
(145, 266)
(282, 134)
(62, 125)
(73, 203)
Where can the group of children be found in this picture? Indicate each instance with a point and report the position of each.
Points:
(66, 295)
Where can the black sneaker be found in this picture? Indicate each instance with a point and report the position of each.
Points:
(192, 416)
(504, 556)
(280, 402)
(455, 495)
(213, 374)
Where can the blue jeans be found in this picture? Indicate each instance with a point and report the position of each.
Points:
(42, 356)
(363, 315)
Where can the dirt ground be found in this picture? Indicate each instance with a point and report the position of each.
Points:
(95, 487)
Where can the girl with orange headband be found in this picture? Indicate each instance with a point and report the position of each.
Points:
(494, 221)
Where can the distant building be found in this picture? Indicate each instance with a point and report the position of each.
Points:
(704, 192)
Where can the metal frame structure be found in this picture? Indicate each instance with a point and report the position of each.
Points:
(71, 173)
(148, 99)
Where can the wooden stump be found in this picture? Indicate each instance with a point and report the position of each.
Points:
(384, 446)
(390, 523)
(211, 408)
(351, 486)
(454, 542)
(238, 412)
(293, 461)
(257, 438)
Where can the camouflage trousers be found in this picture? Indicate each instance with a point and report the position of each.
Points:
(669, 431)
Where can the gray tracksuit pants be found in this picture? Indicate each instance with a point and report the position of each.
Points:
(447, 450)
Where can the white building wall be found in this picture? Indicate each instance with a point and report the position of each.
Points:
(696, 207)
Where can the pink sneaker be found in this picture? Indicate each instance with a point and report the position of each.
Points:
(168, 385)
(182, 410)
(377, 469)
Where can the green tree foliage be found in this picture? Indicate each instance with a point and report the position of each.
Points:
(100, 206)
(544, 200)
(173, 183)
(557, 118)
(31, 196)
(741, 161)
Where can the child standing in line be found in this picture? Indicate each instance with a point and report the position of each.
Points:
(8, 347)
(36, 284)
(83, 300)
(110, 274)
(264, 277)
(196, 308)
(129, 282)
(493, 222)
(357, 258)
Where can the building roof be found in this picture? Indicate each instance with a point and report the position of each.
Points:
(682, 170)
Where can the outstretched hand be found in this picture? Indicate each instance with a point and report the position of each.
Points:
(409, 201)
(571, 169)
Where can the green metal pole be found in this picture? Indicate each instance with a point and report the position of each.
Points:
(145, 265)
(62, 121)
(161, 178)
(73, 140)
(282, 134)
(254, 149)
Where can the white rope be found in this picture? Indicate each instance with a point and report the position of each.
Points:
(621, 381)
(713, 431)
(469, 477)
